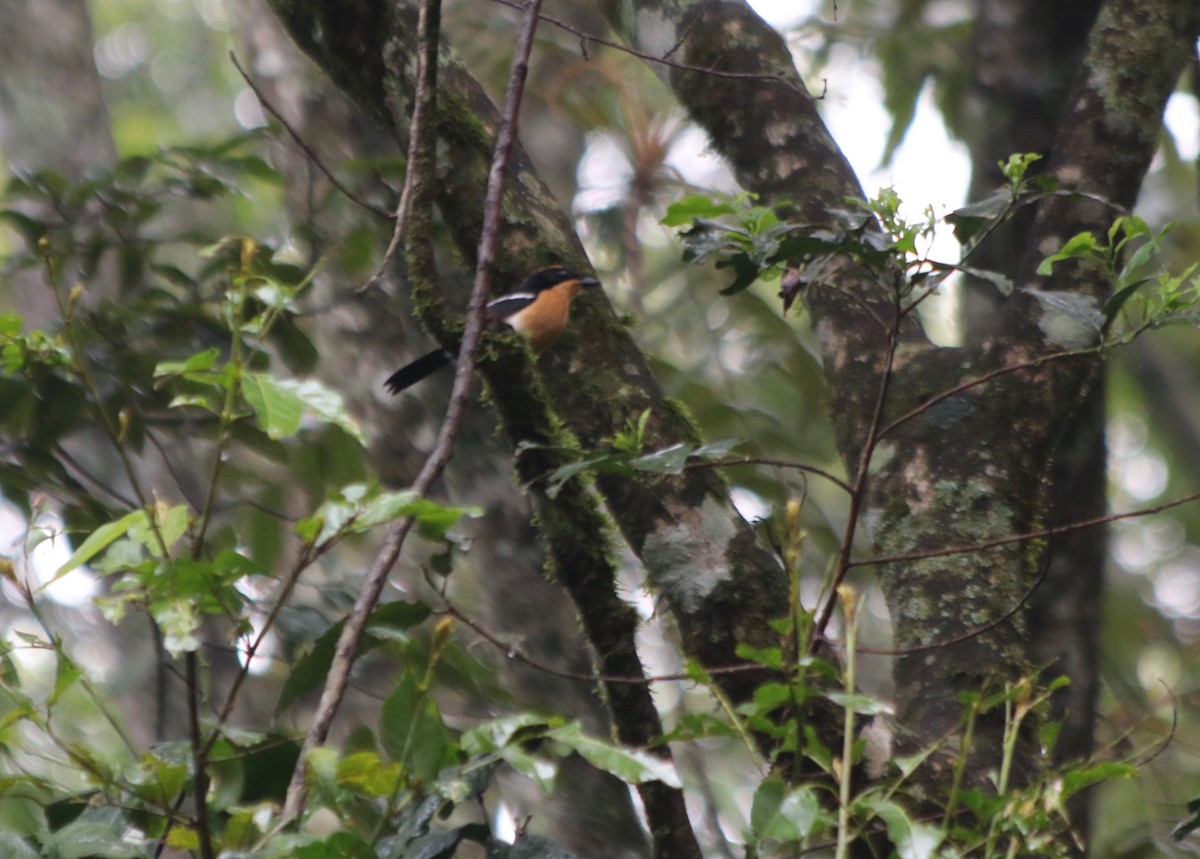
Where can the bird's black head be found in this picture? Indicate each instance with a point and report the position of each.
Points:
(546, 278)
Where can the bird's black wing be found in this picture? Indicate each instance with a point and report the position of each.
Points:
(506, 306)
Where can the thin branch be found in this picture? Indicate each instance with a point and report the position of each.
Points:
(62, 454)
(777, 463)
(428, 27)
(585, 38)
(251, 650)
(958, 639)
(304, 147)
(589, 677)
(199, 757)
(1045, 533)
(401, 209)
(981, 379)
(347, 646)
(687, 31)
(859, 491)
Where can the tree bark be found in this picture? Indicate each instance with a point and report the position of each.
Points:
(1024, 57)
(363, 338)
(697, 550)
(928, 489)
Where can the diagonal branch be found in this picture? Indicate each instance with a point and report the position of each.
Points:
(356, 623)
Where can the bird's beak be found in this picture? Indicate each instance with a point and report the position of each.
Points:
(588, 281)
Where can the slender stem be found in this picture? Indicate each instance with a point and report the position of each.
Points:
(347, 646)
(960, 766)
(1043, 534)
(293, 578)
(66, 309)
(847, 763)
(858, 488)
(237, 303)
(199, 758)
(304, 147)
(776, 463)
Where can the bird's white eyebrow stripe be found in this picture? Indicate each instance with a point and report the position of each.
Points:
(512, 296)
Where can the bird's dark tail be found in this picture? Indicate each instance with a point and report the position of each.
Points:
(410, 374)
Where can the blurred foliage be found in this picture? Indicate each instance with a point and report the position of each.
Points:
(198, 355)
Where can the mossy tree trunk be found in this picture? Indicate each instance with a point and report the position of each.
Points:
(974, 467)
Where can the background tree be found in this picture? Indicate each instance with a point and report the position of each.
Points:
(901, 405)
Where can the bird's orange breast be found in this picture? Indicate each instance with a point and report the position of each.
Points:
(545, 319)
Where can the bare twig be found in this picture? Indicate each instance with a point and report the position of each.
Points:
(304, 147)
(590, 677)
(347, 646)
(858, 491)
(401, 209)
(420, 117)
(687, 32)
(775, 463)
(982, 379)
(199, 757)
(251, 650)
(585, 38)
(1045, 533)
(1170, 737)
(975, 632)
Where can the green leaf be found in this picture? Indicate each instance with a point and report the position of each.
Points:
(65, 674)
(386, 621)
(97, 542)
(13, 846)
(1077, 779)
(324, 403)
(698, 726)
(630, 765)
(200, 362)
(96, 832)
(771, 696)
(367, 775)
(1114, 304)
(670, 460)
(11, 324)
(359, 507)
(768, 799)
(787, 815)
(912, 840)
(434, 519)
(716, 449)
(155, 779)
(171, 524)
(339, 845)
(608, 463)
(688, 209)
(1017, 165)
(497, 733)
(1080, 246)
(770, 657)
(277, 407)
(969, 219)
(863, 705)
(1001, 282)
(411, 729)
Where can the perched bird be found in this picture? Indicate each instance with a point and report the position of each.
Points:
(538, 309)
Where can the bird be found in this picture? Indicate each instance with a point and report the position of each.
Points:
(538, 309)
